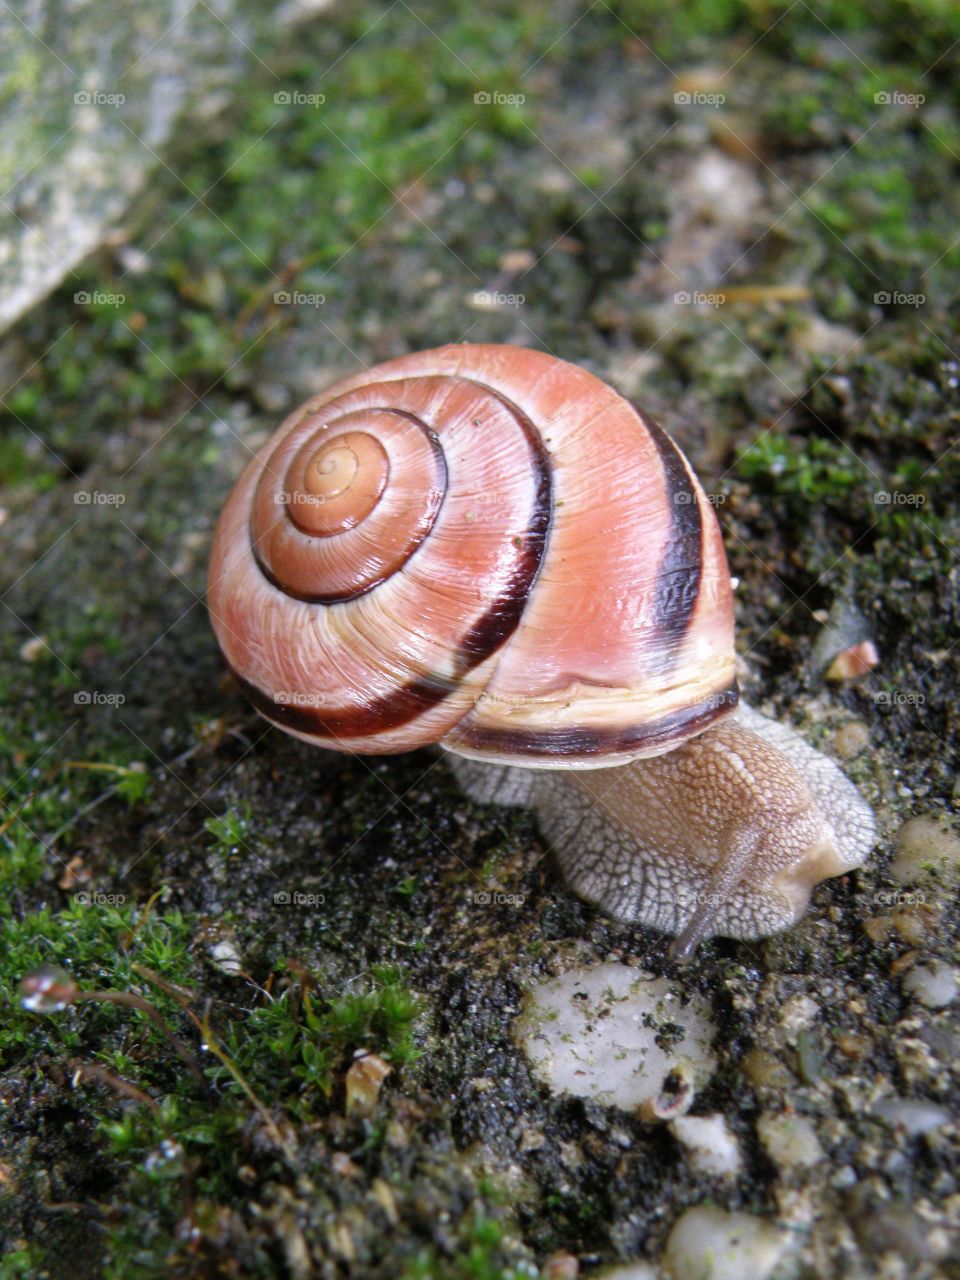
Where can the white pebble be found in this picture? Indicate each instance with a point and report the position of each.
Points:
(799, 1012)
(713, 1149)
(226, 957)
(711, 1244)
(593, 1033)
(628, 1271)
(790, 1140)
(914, 1116)
(934, 985)
(926, 845)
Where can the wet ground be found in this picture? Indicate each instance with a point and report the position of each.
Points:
(743, 217)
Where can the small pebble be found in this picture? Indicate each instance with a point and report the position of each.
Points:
(790, 1140)
(364, 1081)
(934, 985)
(33, 649)
(854, 1046)
(915, 1116)
(850, 739)
(765, 1070)
(799, 1012)
(912, 923)
(707, 1243)
(844, 639)
(854, 662)
(515, 260)
(561, 1266)
(343, 1166)
(712, 1148)
(611, 1034)
(926, 847)
(226, 957)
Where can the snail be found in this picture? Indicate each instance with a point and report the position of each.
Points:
(488, 548)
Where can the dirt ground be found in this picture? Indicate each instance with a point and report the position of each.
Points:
(742, 215)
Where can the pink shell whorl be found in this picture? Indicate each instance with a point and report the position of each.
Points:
(482, 546)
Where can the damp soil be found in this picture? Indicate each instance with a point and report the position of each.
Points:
(297, 906)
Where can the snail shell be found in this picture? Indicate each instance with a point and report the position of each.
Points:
(481, 546)
(489, 548)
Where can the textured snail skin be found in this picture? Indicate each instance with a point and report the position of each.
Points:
(728, 834)
(487, 548)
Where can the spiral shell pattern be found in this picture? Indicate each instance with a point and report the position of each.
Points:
(481, 546)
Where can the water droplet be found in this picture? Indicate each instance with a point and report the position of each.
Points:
(47, 989)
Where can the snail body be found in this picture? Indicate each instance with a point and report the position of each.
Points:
(488, 548)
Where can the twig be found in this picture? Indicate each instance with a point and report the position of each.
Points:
(269, 1124)
(93, 1071)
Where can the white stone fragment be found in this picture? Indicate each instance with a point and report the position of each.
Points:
(609, 1033)
(934, 985)
(707, 1243)
(712, 1148)
(790, 1140)
(914, 1115)
(226, 957)
(799, 1012)
(628, 1271)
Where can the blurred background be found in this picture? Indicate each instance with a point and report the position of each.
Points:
(742, 214)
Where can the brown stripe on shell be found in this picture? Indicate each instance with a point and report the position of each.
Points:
(412, 700)
(502, 618)
(583, 743)
(492, 629)
(680, 571)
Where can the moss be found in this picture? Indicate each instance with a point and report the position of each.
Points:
(293, 1047)
(202, 310)
(99, 943)
(182, 787)
(478, 1255)
(806, 470)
